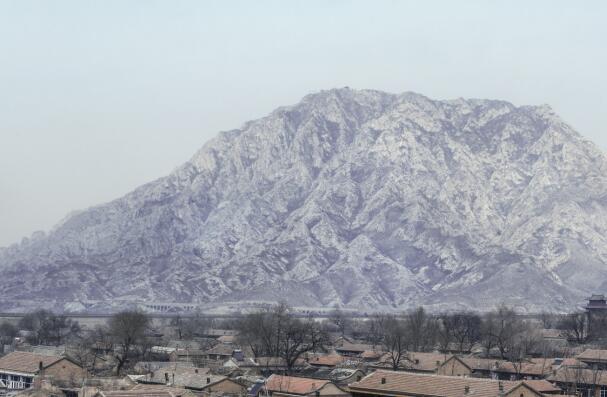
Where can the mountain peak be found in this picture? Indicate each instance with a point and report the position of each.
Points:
(357, 198)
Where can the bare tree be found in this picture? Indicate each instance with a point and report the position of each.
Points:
(375, 329)
(464, 328)
(395, 340)
(47, 328)
(575, 326)
(443, 336)
(341, 321)
(419, 332)
(83, 352)
(191, 326)
(275, 332)
(300, 337)
(128, 330)
(525, 341)
(505, 325)
(548, 319)
(7, 333)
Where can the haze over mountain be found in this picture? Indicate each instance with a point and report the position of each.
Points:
(357, 198)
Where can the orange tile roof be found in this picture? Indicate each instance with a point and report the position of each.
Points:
(329, 360)
(593, 355)
(579, 375)
(294, 385)
(543, 386)
(26, 362)
(149, 391)
(416, 361)
(409, 383)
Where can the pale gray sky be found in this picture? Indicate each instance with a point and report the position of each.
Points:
(98, 97)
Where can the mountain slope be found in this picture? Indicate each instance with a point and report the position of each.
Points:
(357, 198)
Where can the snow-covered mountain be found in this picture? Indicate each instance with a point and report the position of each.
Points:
(357, 198)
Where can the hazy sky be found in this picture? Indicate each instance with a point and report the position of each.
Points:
(99, 97)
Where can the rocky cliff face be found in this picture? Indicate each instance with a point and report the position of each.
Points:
(358, 198)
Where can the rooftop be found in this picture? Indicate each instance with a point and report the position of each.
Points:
(593, 355)
(294, 385)
(408, 383)
(26, 362)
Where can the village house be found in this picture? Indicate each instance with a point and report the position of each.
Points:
(325, 360)
(413, 362)
(18, 369)
(339, 376)
(581, 381)
(184, 344)
(594, 358)
(496, 369)
(384, 383)
(145, 367)
(186, 355)
(175, 375)
(227, 339)
(146, 391)
(196, 379)
(354, 349)
(267, 366)
(286, 386)
(222, 352)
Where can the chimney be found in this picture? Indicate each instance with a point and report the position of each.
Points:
(500, 387)
(383, 381)
(39, 378)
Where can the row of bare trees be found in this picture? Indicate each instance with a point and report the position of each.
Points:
(275, 332)
(501, 331)
(123, 337)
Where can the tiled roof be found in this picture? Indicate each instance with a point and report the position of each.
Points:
(221, 349)
(533, 367)
(189, 352)
(355, 347)
(409, 383)
(543, 386)
(227, 338)
(416, 361)
(579, 376)
(593, 354)
(294, 385)
(26, 362)
(148, 391)
(180, 374)
(184, 344)
(370, 354)
(271, 362)
(329, 360)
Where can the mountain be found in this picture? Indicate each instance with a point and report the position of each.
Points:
(357, 198)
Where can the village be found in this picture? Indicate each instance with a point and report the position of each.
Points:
(271, 352)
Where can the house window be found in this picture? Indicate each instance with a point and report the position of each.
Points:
(603, 391)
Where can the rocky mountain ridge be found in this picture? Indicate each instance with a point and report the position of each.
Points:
(356, 198)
